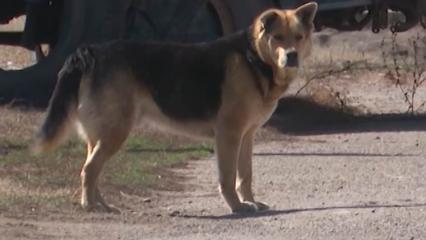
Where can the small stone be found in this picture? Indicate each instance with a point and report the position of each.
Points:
(174, 213)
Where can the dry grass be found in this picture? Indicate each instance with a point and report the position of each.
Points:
(407, 68)
(344, 65)
(18, 123)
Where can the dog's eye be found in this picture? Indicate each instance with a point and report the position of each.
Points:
(279, 37)
(299, 37)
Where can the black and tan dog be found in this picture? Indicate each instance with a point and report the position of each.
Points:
(225, 89)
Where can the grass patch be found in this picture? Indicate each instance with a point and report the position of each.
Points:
(52, 178)
(30, 202)
(140, 162)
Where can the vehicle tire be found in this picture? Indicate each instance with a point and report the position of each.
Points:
(224, 14)
(33, 85)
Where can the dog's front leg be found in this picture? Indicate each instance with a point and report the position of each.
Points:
(228, 144)
(244, 170)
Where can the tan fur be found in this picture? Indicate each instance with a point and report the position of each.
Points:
(105, 119)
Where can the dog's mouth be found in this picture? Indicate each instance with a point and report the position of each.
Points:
(292, 58)
(287, 58)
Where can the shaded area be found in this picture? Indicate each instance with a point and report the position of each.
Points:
(169, 150)
(301, 116)
(269, 213)
(330, 154)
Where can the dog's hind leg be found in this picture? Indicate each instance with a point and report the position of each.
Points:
(244, 170)
(99, 151)
(98, 196)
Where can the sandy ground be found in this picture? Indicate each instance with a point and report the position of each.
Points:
(367, 182)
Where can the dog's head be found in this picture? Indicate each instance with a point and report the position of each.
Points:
(282, 38)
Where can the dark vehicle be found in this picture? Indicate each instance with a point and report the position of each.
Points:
(63, 25)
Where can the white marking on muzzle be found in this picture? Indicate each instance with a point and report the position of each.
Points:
(281, 57)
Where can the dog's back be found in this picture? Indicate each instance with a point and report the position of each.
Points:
(169, 82)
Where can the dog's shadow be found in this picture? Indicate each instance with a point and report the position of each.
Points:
(301, 116)
(272, 212)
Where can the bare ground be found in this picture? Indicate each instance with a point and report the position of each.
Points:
(331, 178)
(340, 186)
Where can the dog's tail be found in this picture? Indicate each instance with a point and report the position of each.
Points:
(61, 112)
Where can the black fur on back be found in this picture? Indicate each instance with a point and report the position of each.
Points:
(185, 80)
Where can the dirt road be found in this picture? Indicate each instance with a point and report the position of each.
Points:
(342, 186)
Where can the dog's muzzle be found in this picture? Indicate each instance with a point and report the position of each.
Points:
(292, 58)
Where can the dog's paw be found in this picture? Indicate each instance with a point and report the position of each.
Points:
(101, 208)
(251, 207)
(246, 207)
(262, 206)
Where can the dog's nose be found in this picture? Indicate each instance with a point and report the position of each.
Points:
(292, 59)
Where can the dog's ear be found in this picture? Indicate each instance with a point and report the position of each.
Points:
(264, 22)
(268, 20)
(306, 13)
